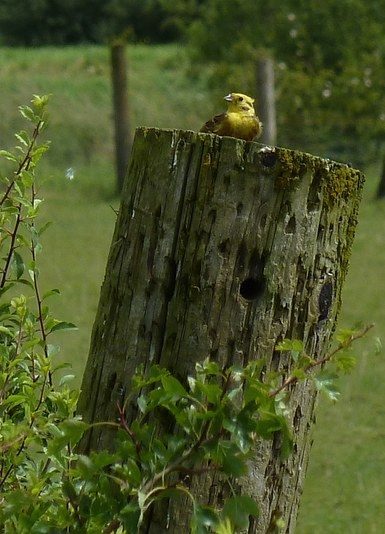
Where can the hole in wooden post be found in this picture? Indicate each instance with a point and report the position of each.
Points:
(252, 288)
(325, 299)
(291, 225)
(269, 159)
(313, 199)
(263, 220)
(224, 247)
(239, 208)
(321, 231)
(212, 215)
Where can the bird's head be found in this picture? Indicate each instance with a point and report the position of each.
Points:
(240, 103)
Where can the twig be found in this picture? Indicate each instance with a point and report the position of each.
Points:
(127, 429)
(37, 293)
(293, 379)
(11, 247)
(112, 527)
(25, 162)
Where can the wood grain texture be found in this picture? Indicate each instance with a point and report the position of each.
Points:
(222, 248)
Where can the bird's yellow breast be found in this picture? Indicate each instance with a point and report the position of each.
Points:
(241, 125)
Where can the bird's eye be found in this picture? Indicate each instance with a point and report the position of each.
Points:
(240, 98)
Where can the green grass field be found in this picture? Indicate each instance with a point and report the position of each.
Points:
(345, 487)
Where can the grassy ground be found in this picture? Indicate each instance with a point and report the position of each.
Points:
(345, 487)
(345, 484)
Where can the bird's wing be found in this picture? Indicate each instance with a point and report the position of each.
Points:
(214, 124)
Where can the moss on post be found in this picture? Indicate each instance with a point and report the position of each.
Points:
(221, 249)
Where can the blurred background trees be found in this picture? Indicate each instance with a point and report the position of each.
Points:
(329, 56)
(330, 67)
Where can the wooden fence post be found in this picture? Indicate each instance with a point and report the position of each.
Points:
(121, 110)
(381, 184)
(222, 248)
(266, 99)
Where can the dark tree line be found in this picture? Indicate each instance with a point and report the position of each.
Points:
(54, 22)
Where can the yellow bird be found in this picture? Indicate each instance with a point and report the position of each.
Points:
(240, 119)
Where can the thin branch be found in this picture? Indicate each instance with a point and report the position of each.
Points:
(177, 465)
(112, 527)
(127, 429)
(293, 379)
(12, 247)
(198, 471)
(37, 294)
(24, 165)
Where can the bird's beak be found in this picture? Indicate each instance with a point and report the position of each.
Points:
(229, 98)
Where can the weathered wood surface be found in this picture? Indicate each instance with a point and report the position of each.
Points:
(222, 248)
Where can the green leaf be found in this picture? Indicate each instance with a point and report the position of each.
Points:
(103, 459)
(63, 325)
(176, 443)
(377, 346)
(14, 400)
(212, 391)
(344, 336)
(69, 491)
(130, 516)
(286, 443)
(28, 113)
(241, 427)
(50, 293)
(65, 379)
(142, 403)
(40, 102)
(32, 273)
(26, 282)
(43, 228)
(23, 137)
(18, 264)
(238, 509)
(234, 465)
(52, 349)
(290, 344)
(173, 387)
(134, 475)
(86, 466)
(8, 155)
(203, 519)
(326, 383)
(224, 527)
(268, 424)
(73, 429)
(294, 346)
(299, 373)
(38, 153)
(191, 383)
(256, 392)
(7, 331)
(345, 361)
(211, 368)
(227, 455)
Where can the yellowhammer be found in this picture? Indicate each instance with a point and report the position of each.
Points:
(239, 120)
